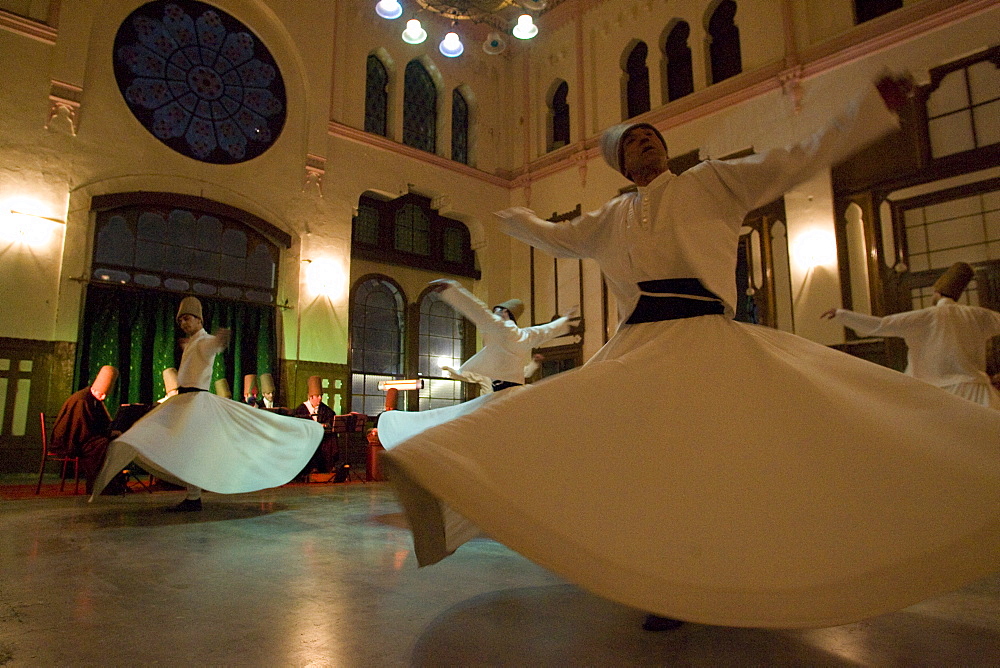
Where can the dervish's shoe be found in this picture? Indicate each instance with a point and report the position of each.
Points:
(657, 623)
(186, 506)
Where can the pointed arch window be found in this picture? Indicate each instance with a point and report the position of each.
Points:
(724, 47)
(419, 108)
(459, 127)
(677, 53)
(377, 340)
(637, 81)
(376, 97)
(559, 116)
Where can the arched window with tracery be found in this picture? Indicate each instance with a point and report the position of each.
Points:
(459, 127)
(419, 108)
(378, 326)
(152, 249)
(724, 45)
(637, 81)
(677, 57)
(441, 339)
(559, 117)
(376, 97)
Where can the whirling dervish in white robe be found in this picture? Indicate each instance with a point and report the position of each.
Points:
(764, 480)
(202, 440)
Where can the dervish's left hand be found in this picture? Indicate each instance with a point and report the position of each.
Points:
(828, 315)
(571, 312)
(223, 336)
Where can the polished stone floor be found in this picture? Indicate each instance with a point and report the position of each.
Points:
(323, 575)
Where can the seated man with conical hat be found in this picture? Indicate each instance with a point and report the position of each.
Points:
(266, 391)
(314, 409)
(206, 441)
(946, 343)
(83, 426)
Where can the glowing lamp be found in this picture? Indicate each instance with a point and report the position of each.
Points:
(414, 34)
(525, 28)
(402, 384)
(451, 45)
(27, 228)
(814, 249)
(389, 9)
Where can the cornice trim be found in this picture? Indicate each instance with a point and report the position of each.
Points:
(26, 27)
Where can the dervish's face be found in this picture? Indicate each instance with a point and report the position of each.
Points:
(643, 152)
(502, 312)
(314, 400)
(189, 324)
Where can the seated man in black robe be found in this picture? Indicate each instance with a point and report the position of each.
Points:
(313, 408)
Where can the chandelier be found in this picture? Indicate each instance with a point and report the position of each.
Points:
(502, 16)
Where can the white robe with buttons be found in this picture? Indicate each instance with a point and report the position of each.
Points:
(710, 470)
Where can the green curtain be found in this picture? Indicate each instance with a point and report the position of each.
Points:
(134, 331)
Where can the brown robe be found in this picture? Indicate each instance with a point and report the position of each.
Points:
(82, 429)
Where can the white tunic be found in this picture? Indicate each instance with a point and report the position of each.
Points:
(709, 470)
(218, 444)
(506, 347)
(946, 344)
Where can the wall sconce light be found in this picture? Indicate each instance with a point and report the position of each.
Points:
(402, 384)
(815, 248)
(27, 228)
(324, 277)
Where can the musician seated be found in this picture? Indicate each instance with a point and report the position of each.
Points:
(314, 409)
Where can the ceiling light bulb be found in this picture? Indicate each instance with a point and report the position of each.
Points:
(389, 9)
(414, 34)
(451, 45)
(525, 29)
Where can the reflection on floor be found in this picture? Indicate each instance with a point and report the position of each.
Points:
(323, 575)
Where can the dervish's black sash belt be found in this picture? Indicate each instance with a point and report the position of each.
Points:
(185, 390)
(674, 299)
(503, 385)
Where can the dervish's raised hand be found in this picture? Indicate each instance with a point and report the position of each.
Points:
(442, 284)
(571, 312)
(223, 335)
(828, 315)
(516, 212)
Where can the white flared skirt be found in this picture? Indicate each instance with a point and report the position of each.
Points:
(218, 444)
(721, 473)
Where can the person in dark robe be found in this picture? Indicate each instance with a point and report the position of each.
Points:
(83, 426)
(314, 409)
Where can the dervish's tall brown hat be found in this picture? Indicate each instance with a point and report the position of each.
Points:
(105, 380)
(952, 282)
(266, 383)
(222, 388)
(515, 306)
(314, 386)
(170, 380)
(190, 306)
(249, 381)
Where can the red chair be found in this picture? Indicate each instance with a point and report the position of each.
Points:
(48, 456)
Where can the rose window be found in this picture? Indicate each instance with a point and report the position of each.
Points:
(200, 81)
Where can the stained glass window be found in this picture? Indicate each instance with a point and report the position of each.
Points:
(459, 127)
(559, 113)
(376, 97)
(412, 230)
(419, 108)
(377, 340)
(680, 73)
(724, 48)
(200, 81)
(637, 81)
(440, 344)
